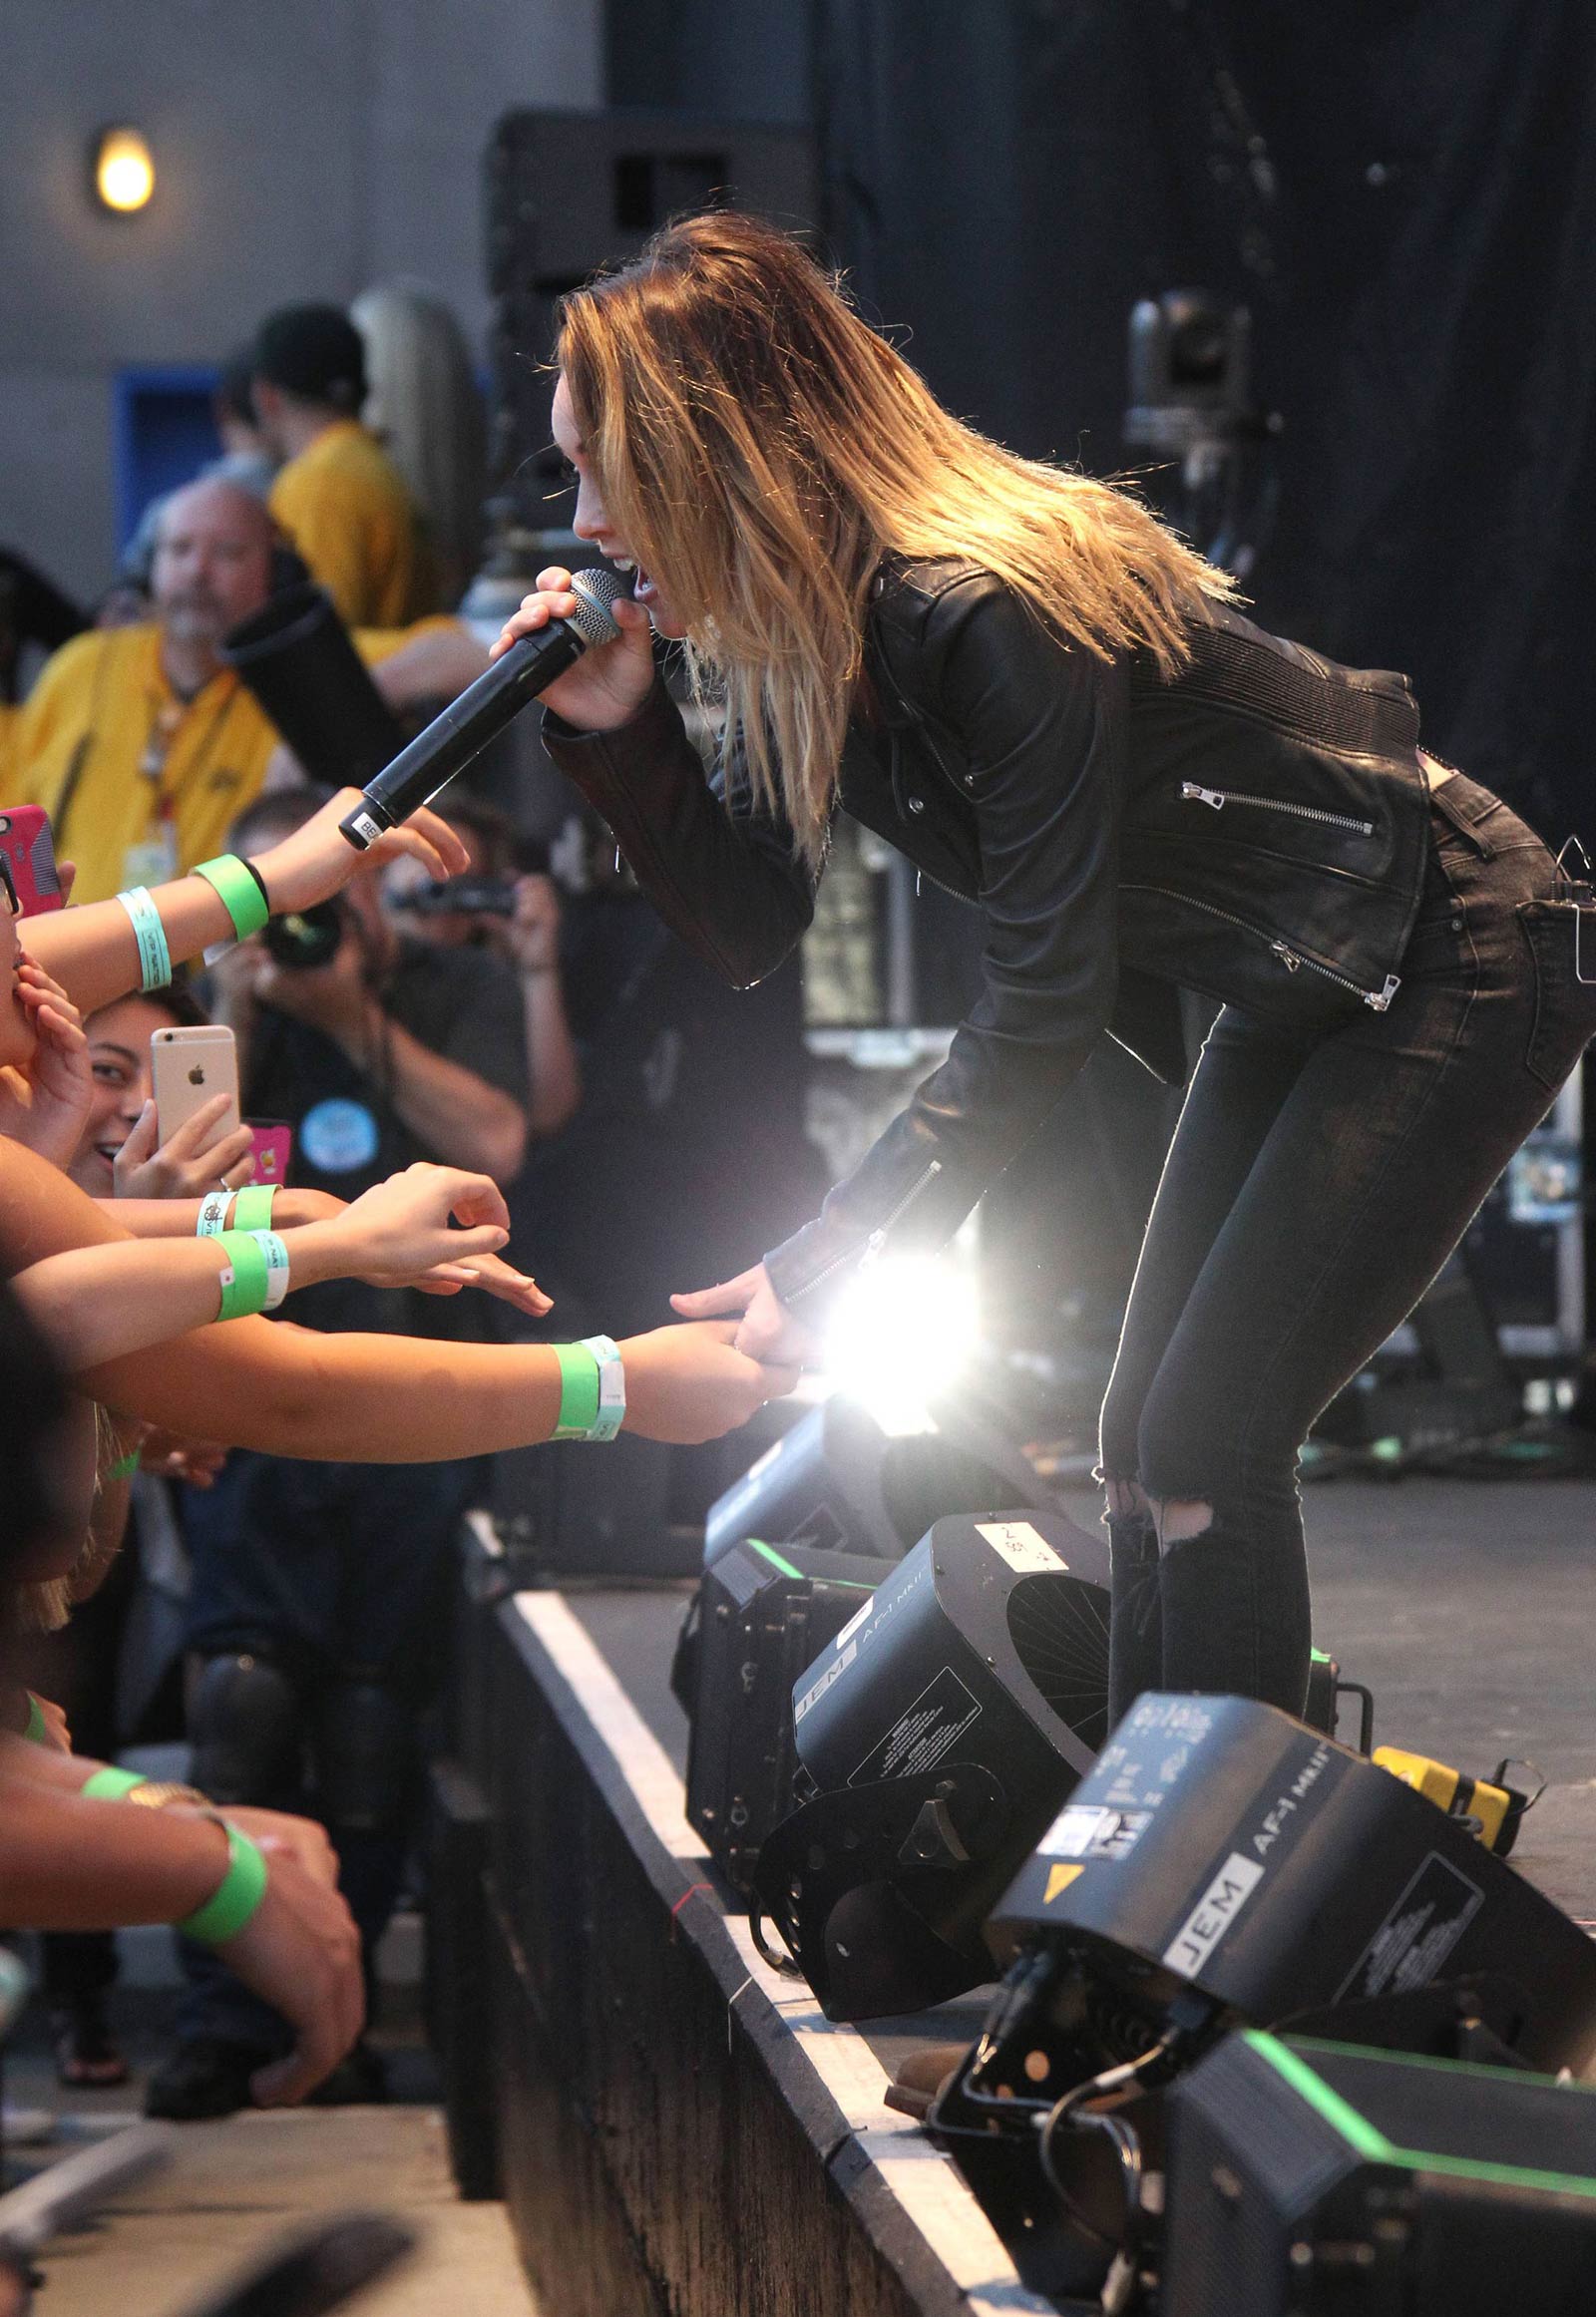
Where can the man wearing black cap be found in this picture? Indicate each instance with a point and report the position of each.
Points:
(338, 496)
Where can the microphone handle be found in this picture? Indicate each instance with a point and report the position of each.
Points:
(462, 731)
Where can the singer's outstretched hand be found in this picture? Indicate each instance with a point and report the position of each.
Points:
(766, 1328)
(609, 682)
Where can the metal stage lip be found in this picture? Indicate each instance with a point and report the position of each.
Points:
(679, 2128)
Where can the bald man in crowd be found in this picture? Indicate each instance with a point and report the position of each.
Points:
(142, 745)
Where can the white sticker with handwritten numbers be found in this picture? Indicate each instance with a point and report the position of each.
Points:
(1020, 1546)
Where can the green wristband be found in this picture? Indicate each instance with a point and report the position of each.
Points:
(247, 1277)
(109, 1784)
(579, 1392)
(38, 1730)
(251, 1206)
(236, 1898)
(125, 1466)
(240, 889)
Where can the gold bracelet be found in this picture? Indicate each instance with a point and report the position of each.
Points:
(167, 1794)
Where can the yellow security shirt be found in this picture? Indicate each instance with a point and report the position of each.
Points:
(344, 505)
(126, 769)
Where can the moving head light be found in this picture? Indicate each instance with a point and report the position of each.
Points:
(760, 1616)
(838, 1482)
(1227, 1867)
(1222, 1851)
(937, 1734)
(1319, 2177)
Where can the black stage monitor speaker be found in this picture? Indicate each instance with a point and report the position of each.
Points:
(839, 1483)
(1228, 1861)
(761, 1615)
(570, 191)
(1318, 2180)
(939, 1736)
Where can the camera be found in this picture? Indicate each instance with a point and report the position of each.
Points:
(303, 939)
(492, 897)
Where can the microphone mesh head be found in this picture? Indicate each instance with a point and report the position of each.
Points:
(594, 591)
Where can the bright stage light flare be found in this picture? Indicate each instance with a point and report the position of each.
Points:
(903, 1333)
(124, 172)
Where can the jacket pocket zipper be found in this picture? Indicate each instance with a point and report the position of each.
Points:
(1218, 798)
(1292, 959)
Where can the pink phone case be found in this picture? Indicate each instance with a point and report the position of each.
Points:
(273, 1143)
(29, 848)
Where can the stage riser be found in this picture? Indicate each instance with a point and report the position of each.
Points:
(569, 2226)
(459, 2020)
(671, 2137)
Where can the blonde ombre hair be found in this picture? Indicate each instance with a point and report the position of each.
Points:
(760, 448)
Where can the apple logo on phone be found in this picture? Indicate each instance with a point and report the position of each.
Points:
(197, 1076)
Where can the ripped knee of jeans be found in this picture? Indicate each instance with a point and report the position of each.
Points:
(1180, 1518)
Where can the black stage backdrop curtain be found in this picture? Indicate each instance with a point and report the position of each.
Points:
(1404, 192)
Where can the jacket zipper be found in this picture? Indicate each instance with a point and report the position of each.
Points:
(871, 1252)
(1376, 999)
(1220, 797)
(877, 1237)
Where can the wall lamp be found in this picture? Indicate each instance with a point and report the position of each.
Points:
(124, 175)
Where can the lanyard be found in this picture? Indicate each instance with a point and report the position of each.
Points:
(165, 725)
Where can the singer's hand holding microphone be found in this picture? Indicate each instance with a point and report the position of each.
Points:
(608, 683)
(579, 642)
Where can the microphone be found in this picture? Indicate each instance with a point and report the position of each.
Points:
(484, 708)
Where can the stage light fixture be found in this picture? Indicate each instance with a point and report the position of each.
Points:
(1224, 1867)
(1311, 2175)
(122, 171)
(903, 1333)
(936, 1735)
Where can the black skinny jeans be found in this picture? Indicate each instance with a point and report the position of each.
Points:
(1314, 1189)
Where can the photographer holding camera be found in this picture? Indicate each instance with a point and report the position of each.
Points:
(314, 1616)
(508, 903)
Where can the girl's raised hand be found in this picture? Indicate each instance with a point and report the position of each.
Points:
(44, 1101)
(194, 1160)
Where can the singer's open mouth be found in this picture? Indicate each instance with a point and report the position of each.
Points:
(642, 587)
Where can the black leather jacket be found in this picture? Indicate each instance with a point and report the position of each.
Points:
(1256, 829)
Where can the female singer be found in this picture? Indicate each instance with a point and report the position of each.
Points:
(1051, 704)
